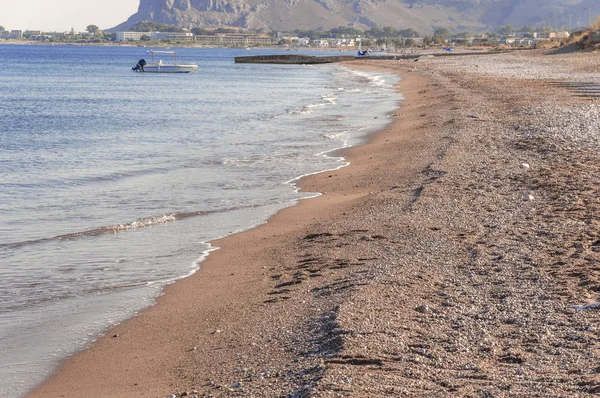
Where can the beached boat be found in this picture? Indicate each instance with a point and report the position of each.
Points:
(159, 66)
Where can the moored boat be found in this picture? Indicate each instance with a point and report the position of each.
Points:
(159, 66)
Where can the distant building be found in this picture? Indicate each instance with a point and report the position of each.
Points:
(172, 36)
(550, 35)
(260, 39)
(132, 36)
(319, 43)
(208, 39)
(54, 35)
(15, 35)
(300, 41)
(525, 42)
(236, 39)
(508, 40)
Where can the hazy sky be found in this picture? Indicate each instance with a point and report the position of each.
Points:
(62, 15)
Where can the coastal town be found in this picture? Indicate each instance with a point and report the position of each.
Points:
(507, 36)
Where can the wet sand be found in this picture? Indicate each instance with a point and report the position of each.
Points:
(446, 260)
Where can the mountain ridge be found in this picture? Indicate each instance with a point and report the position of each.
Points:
(420, 15)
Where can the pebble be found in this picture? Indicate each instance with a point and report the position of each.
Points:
(524, 166)
(422, 309)
(528, 197)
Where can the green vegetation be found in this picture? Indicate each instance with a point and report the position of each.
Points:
(149, 26)
(93, 29)
(203, 31)
(374, 33)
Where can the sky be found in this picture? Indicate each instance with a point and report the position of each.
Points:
(62, 15)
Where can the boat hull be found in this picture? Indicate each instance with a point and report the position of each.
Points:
(170, 68)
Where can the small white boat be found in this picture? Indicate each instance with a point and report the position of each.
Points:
(159, 66)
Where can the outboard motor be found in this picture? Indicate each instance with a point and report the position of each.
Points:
(140, 65)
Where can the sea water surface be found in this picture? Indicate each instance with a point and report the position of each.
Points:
(112, 182)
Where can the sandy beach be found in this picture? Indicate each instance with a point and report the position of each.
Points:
(456, 256)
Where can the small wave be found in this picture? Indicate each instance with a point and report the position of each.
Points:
(364, 77)
(334, 136)
(147, 222)
(328, 99)
(119, 228)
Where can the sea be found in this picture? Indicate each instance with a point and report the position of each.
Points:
(113, 183)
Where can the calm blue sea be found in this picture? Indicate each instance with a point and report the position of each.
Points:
(112, 182)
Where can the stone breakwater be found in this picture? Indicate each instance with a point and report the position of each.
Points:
(301, 59)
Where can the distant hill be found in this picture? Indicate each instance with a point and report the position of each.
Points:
(420, 15)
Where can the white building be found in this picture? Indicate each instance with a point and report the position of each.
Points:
(173, 36)
(16, 35)
(133, 36)
(319, 43)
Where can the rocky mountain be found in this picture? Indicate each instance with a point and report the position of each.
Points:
(421, 15)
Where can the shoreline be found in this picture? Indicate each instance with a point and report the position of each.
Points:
(301, 184)
(456, 256)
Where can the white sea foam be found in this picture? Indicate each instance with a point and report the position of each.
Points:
(146, 222)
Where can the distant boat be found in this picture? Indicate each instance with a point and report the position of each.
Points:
(160, 67)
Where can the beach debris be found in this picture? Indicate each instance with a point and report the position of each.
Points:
(586, 307)
(524, 166)
(553, 147)
(237, 384)
(528, 197)
(190, 394)
(422, 309)
(216, 331)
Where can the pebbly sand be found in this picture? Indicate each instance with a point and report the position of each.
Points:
(458, 255)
